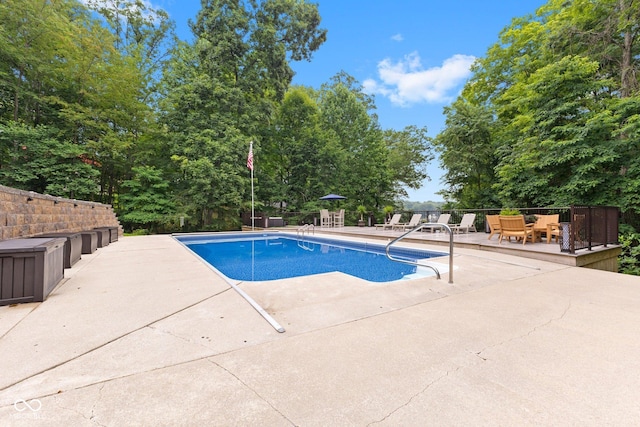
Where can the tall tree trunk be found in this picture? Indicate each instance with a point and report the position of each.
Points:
(16, 99)
(628, 81)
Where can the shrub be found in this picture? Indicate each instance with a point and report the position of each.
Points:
(510, 211)
(629, 259)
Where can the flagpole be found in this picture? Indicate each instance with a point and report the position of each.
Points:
(253, 214)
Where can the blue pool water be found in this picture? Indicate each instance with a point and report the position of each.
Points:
(278, 256)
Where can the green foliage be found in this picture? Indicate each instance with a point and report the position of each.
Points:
(62, 68)
(220, 94)
(467, 152)
(510, 212)
(294, 153)
(629, 259)
(99, 102)
(550, 115)
(34, 158)
(558, 156)
(356, 154)
(409, 152)
(139, 232)
(148, 201)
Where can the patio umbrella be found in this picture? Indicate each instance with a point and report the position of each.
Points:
(332, 197)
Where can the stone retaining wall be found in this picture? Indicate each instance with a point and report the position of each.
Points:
(28, 214)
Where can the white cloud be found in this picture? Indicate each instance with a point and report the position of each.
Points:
(397, 37)
(406, 82)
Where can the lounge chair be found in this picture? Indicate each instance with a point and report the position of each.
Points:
(494, 224)
(395, 219)
(442, 219)
(466, 224)
(514, 226)
(413, 223)
(325, 218)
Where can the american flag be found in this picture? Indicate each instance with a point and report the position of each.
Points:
(250, 157)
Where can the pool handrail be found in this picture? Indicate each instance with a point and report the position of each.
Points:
(306, 228)
(301, 241)
(418, 228)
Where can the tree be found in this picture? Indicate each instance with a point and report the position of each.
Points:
(409, 151)
(562, 87)
(357, 157)
(293, 153)
(61, 67)
(222, 92)
(142, 36)
(560, 157)
(36, 159)
(148, 202)
(467, 153)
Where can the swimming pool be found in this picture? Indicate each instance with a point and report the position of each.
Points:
(273, 256)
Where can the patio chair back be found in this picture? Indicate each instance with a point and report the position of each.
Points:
(494, 224)
(514, 226)
(338, 218)
(415, 220)
(325, 218)
(444, 219)
(466, 224)
(467, 220)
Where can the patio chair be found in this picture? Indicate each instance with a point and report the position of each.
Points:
(514, 226)
(338, 218)
(466, 224)
(395, 219)
(494, 224)
(413, 223)
(325, 218)
(547, 224)
(553, 230)
(442, 219)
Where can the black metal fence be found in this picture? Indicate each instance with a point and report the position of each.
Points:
(589, 226)
(583, 227)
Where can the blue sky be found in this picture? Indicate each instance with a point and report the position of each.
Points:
(413, 54)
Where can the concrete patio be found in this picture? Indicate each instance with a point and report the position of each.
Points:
(143, 333)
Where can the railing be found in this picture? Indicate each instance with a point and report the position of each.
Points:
(480, 221)
(419, 228)
(307, 228)
(589, 226)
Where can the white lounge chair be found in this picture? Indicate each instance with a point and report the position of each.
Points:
(466, 224)
(395, 219)
(413, 223)
(442, 219)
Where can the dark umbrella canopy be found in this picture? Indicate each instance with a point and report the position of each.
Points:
(332, 197)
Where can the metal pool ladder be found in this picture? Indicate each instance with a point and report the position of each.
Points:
(307, 228)
(419, 228)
